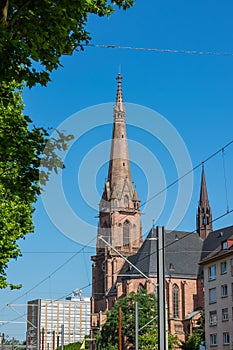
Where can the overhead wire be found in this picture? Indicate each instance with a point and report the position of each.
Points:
(159, 50)
(50, 275)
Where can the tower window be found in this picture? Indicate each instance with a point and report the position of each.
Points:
(126, 201)
(123, 164)
(126, 233)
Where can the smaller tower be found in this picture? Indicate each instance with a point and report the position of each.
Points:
(204, 215)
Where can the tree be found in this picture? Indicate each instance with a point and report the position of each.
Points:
(194, 340)
(108, 337)
(21, 156)
(34, 34)
(41, 31)
(71, 346)
(149, 340)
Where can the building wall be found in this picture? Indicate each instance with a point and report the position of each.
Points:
(46, 317)
(217, 325)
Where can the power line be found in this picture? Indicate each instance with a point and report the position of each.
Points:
(50, 275)
(189, 172)
(159, 50)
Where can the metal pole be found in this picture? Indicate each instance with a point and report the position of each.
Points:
(119, 329)
(27, 340)
(62, 337)
(42, 340)
(161, 289)
(136, 325)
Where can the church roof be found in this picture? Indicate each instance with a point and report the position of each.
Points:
(182, 255)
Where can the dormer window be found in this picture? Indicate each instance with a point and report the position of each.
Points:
(224, 245)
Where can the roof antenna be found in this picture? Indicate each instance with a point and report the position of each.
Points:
(119, 69)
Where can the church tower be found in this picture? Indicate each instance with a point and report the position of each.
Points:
(119, 217)
(204, 215)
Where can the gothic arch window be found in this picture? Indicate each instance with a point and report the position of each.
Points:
(126, 233)
(175, 300)
(115, 203)
(141, 287)
(126, 201)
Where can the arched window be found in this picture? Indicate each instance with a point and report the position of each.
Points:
(175, 301)
(126, 233)
(141, 287)
(126, 201)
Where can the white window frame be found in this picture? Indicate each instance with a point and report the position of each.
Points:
(225, 314)
(213, 317)
(213, 339)
(212, 272)
(212, 295)
(223, 267)
(226, 338)
(224, 290)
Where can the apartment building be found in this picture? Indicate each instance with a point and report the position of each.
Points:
(218, 295)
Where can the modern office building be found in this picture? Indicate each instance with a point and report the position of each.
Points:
(51, 321)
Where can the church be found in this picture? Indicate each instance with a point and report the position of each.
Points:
(120, 226)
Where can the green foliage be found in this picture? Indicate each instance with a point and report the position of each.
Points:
(72, 346)
(193, 340)
(147, 311)
(107, 339)
(149, 340)
(34, 34)
(21, 153)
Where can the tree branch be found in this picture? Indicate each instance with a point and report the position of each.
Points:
(4, 4)
(17, 13)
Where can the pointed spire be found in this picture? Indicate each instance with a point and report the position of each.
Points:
(119, 109)
(204, 215)
(204, 201)
(119, 165)
(119, 215)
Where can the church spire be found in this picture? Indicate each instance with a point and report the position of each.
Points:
(119, 166)
(120, 206)
(204, 215)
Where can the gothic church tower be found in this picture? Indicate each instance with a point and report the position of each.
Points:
(119, 217)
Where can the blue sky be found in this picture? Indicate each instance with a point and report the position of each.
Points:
(192, 92)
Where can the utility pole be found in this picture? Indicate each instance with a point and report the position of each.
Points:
(62, 337)
(162, 329)
(119, 329)
(42, 340)
(136, 325)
